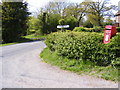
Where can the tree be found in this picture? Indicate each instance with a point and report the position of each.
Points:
(14, 19)
(71, 21)
(62, 22)
(56, 7)
(97, 10)
(76, 10)
(88, 24)
(48, 23)
(108, 21)
(0, 23)
(33, 26)
(52, 22)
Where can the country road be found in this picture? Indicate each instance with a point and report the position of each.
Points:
(22, 68)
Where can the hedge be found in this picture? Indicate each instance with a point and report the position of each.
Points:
(94, 29)
(85, 46)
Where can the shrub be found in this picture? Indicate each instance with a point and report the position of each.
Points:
(79, 29)
(118, 29)
(85, 46)
(114, 47)
(89, 29)
(97, 29)
(94, 29)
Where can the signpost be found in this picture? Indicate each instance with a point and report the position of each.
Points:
(63, 26)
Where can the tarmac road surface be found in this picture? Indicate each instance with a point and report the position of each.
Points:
(22, 68)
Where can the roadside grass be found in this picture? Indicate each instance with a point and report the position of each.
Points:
(79, 67)
(27, 38)
(20, 40)
(8, 44)
(34, 37)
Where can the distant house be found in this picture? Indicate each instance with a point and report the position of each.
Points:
(117, 19)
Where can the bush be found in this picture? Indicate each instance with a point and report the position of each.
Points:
(118, 29)
(114, 47)
(85, 46)
(94, 29)
(79, 29)
(89, 29)
(97, 29)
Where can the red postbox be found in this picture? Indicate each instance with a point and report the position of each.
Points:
(109, 32)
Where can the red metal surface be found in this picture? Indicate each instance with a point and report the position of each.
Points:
(108, 33)
(107, 36)
(112, 28)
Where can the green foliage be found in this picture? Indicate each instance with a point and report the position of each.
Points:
(79, 29)
(89, 30)
(97, 29)
(78, 66)
(33, 26)
(71, 21)
(62, 22)
(87, 24)
(35, 37)
(118, 29)
(95, 20)
(14, 19)
(97, 10)
(50, 24)
(85, 46)
(114, 47)
(94, 29)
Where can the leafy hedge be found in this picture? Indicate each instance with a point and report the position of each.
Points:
(79, 29)
(94, 29)
(85, 46)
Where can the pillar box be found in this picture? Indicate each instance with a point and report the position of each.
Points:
(109, 32)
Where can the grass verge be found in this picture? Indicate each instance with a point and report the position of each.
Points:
(20, 40)
(79, 67)
(34, 37)
(8, 44)
(27, 38)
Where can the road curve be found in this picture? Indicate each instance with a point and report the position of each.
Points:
(22, 68)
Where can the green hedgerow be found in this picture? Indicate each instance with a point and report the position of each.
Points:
(94, 29)
(85, 46)
(79, 29)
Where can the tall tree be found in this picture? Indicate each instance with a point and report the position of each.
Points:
(97, 10)
(33, 25)
(0, 22)
(55, 7)
(77, 10)
(14, 19)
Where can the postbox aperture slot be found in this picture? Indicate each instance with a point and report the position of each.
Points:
(107, 29)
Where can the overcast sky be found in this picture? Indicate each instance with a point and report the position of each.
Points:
(35, 5)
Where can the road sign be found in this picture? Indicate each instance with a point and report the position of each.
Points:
(63, 26)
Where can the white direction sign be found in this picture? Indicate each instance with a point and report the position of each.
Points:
(63, 26)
